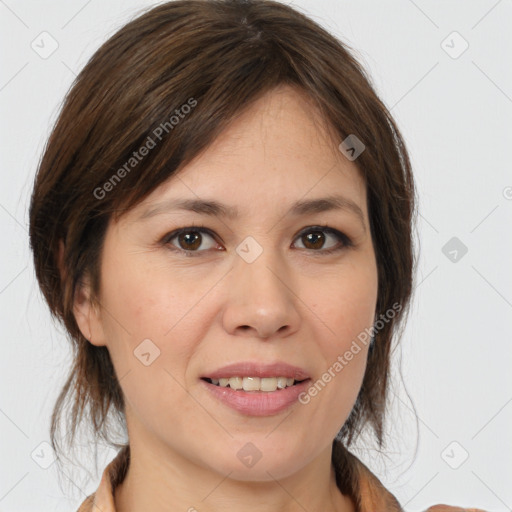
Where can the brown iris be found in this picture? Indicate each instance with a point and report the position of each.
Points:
(188, 238)
(315, 237)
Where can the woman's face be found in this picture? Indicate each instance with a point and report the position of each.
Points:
(256, 287)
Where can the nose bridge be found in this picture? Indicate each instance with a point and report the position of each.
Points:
(259, 295)
(258, 266)
(261, 263)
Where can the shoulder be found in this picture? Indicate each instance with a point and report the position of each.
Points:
(357, 480)
(369, 493)
(113, 475)
(449, 508)
(87, 504)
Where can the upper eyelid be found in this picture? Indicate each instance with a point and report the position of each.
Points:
(345, 239)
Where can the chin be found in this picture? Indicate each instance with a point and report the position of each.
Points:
(256, 461)
(267, 471)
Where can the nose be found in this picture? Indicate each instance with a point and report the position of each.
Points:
(260, 299)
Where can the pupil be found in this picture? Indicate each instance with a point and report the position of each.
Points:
(187, 237)
(192, 237)
(318, 237)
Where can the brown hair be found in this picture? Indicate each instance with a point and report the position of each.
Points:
(217, 56)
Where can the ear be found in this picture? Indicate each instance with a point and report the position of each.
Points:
(86, 310)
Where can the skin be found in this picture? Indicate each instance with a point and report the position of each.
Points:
(292, 303)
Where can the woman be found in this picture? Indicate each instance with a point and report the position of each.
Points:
(222, 221)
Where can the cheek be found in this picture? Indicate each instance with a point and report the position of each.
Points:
(346, 305)
(152, 330)
(157, 402)
(141, 303)
(345, 312)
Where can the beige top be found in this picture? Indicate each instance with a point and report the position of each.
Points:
(353, 478)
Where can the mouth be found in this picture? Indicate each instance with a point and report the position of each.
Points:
(255, 384)
(255, 388)
(256, 396)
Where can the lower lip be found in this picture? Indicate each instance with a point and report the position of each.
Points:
(258, 403)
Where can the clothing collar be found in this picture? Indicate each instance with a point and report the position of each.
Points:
(353, 477)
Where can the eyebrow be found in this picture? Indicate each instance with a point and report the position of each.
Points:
(215, 209)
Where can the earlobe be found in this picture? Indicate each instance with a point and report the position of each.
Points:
(85, 309)
(87, 314)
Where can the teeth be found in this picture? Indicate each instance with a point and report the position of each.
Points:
(268, 384)
(236, 382)
(254, 383)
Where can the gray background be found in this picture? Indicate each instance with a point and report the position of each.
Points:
(454, 110)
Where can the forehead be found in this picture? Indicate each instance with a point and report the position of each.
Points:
(273, 155)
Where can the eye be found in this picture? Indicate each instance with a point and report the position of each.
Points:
(190, 239)
(315, 237)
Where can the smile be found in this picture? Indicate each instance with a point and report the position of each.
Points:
(266, 384)
(255, 401)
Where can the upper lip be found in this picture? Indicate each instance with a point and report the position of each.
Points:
(255, 369)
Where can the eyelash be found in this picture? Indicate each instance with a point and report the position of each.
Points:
(346, 241)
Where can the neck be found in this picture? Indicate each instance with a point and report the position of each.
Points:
(160, 480)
